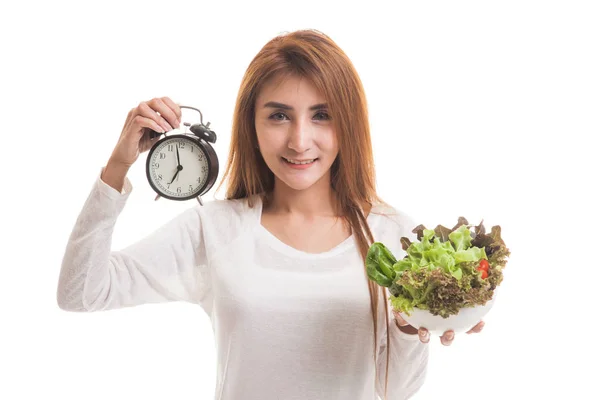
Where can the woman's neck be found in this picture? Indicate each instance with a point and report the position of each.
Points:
(317, 200)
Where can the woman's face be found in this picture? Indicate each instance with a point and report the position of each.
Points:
(295, 133)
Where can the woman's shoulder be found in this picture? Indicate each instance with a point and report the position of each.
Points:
(229, 213)
(225, 220)
(390, 223)
(234, 206)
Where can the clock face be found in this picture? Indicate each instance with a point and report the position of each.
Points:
(178, 168)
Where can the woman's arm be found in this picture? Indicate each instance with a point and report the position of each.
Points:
(408, 363)
(167, 265)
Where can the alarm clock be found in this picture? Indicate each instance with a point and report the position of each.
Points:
(183, 166)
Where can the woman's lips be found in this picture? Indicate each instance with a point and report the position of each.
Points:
(298, 166)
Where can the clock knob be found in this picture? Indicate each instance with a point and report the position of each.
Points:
(203, 132)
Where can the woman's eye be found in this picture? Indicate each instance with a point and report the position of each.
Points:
(322, 116)
(279, 116)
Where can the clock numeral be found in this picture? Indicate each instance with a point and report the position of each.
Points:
(169, 185)
(199, 178)
(170, 147)
(179, 189)
(191, 188)
(204, 168)
(192, 149)
(162, 156)
(160, 177)
(181, 145)
(155, 165)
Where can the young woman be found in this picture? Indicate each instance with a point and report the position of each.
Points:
(278, 265)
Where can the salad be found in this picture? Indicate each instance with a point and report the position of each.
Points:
(443, 271)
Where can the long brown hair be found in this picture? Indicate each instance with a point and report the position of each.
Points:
(312, 55)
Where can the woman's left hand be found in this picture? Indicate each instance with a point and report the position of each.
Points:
(424, 334)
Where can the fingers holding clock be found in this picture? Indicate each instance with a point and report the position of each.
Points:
(156, 113)
(166, 111)
(133, 140)
(139, 122)
(163, 112)
(159, 115)
(175, 108)
(139, 127)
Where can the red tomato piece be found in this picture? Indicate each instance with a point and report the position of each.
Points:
(484, 264)
(484, 273)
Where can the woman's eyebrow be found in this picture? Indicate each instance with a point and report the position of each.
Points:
(274, 104)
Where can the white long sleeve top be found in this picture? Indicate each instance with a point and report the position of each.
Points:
(287, 324)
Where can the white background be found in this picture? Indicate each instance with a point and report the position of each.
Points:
(484, 109)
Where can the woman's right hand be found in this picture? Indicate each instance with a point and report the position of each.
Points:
(159, 114)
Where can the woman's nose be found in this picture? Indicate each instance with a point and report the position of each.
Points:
(300, 137)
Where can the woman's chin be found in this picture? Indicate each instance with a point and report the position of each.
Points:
(300, 182)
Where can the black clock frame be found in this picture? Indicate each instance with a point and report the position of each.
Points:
(209, 153)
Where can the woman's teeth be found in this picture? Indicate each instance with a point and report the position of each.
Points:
(299, 162)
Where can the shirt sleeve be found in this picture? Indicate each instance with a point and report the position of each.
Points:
(408, 355)
(167, 265)
(407, 367)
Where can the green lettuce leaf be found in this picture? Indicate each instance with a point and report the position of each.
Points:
(461, 238)
(379, 263)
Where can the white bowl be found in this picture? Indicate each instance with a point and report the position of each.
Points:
(462, 322)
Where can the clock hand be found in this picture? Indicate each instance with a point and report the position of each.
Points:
(174, 176)
(179, 168)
